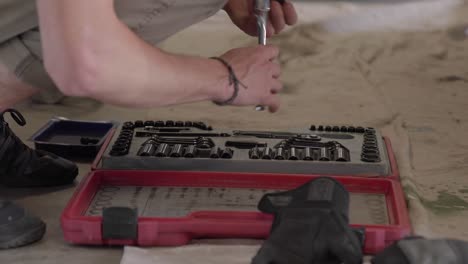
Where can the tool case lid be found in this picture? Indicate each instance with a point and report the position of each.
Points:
(162, 208)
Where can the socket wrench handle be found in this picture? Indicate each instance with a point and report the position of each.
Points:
(262, 9)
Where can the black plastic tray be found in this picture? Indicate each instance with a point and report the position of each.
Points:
(73, 139)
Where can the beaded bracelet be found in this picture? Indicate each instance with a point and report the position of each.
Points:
(233, 80)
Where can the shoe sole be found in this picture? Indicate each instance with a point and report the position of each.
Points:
(73, 176)
(25, 239)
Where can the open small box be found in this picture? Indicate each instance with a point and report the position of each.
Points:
(73, 139)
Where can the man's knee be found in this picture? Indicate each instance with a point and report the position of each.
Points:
(28, 68)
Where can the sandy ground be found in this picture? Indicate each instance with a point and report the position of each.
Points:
(401, 67)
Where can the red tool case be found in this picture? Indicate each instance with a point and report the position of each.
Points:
(81, 228)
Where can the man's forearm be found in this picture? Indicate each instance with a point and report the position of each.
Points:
(89, 52)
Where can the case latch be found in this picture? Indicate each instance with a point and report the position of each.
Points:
(120, 223)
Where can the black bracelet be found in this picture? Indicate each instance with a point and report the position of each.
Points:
(232, 80)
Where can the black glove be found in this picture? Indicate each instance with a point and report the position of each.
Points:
(310, 226)
(417, 250)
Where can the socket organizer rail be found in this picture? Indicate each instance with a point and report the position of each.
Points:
(170, 208)
(196, 146)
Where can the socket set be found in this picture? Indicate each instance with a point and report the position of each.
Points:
(196, 146)
(164, 183)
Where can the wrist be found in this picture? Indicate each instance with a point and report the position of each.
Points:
(221, 90)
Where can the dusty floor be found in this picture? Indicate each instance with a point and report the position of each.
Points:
(412, 84)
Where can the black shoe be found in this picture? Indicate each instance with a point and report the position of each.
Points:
(17, 227)
(20, 166)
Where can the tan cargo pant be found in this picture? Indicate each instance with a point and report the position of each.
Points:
(152, 20)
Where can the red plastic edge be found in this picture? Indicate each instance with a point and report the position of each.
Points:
(395, 172)
(79, 229)
(97, 159)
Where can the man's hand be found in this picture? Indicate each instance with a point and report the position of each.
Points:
(256, 69)
(242, 15)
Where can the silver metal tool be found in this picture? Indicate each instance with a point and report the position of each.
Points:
(262, 9)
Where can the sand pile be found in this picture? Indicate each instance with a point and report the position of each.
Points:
(414, 85)
(401, 67)
(411, 84)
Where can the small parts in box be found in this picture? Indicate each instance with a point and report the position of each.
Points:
(370, 148)
(198, 147)
(303, 147)
(177, 151)
(265, 134)
(345, 129)
(89, 141)
(332, 153)
(73, 139)
(244, 144)
(192, 145)
(199, 142)
(176, 139)
(158, 125)
(121, 146)
(177, 132)
(190, 151)
(175, 129)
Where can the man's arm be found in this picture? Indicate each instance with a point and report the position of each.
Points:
(89, 52)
